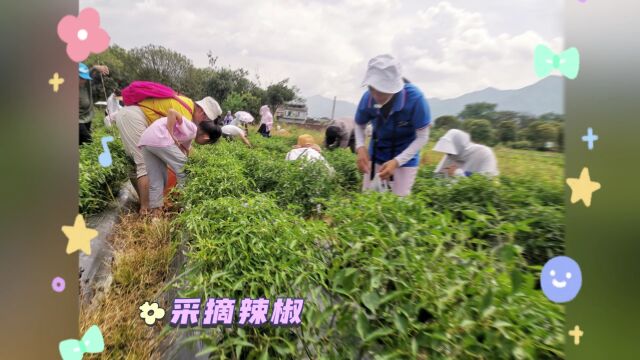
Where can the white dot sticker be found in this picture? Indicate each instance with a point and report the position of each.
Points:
(568, 275)
(552, 273)
(83, 34)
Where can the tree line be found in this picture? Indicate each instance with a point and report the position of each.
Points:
(509, 128)
(232, 88)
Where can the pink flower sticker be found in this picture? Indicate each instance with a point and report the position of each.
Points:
(83, 34)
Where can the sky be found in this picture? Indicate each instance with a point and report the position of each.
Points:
(448, 48)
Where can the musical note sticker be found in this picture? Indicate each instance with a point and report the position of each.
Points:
(105, 157)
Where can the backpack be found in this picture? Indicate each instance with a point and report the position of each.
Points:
(139, 91)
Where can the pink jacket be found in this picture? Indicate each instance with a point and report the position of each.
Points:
(266, 117)
(157, 134)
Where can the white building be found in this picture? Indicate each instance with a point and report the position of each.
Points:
(293, 112)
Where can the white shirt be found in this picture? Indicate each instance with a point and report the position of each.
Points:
(232, 130)
(235, 122)
(308, 154)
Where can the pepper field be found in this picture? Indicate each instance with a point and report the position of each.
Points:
(450, 272)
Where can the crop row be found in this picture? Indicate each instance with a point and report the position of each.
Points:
(449, 272)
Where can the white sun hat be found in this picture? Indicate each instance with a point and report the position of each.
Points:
(243, 116)
(384, 74)
(453, 142)
(211, 107)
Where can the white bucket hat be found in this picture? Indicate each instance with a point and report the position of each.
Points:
(211, 107)
(384, 74)
(454, 142)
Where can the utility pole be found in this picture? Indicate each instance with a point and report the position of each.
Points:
(333, 110)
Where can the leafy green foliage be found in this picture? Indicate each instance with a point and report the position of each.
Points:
(447, 122)
(481, 110)
(347, 173)
(533, 209)
(523, 144)
(279, 93)
(157, 63)
(428, 287)
(166, 66)
(540, 132)
(443, 273)
(507, 131)
(244, 101)
(247, 247)
(98, 185)
(230, 170)
(480, 130)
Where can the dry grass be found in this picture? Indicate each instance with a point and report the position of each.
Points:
(142, 257)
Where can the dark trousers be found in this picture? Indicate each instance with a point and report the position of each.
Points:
(85, 133)
(263, 131)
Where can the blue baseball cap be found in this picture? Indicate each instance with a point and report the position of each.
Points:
(83, 71)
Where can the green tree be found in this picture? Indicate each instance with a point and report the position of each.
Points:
(522, 134)
(525, 120)
(279, 93)
(506, 131)
(541, 132)
(447, 122)
(552, 117)
(224, 81)
(121, 73)
(195, 85)
(561, 137)
(500, 116)
(480, 131)
(159, 64)
(245, 102)
(481, 110)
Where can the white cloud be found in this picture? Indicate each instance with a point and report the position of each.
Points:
(451, 52)
(323, 46)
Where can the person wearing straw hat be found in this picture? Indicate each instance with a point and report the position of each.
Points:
(400, 119)
(85, 110)
(133, 120)
(307, 149)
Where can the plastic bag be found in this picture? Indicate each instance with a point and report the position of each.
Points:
(380, 185)
(113, 106)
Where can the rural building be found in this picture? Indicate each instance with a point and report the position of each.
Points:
(294, 112)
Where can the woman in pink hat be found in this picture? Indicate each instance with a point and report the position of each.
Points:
(399, 114)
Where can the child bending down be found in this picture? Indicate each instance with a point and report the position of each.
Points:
(166, 143)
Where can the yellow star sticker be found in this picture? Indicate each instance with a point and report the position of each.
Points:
(582, 188)
(79, 236)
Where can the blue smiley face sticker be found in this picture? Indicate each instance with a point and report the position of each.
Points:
(561, 279)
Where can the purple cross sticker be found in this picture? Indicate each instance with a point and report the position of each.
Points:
(185, 313)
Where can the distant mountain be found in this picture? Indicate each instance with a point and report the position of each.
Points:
(320, 106)
(547, 95)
